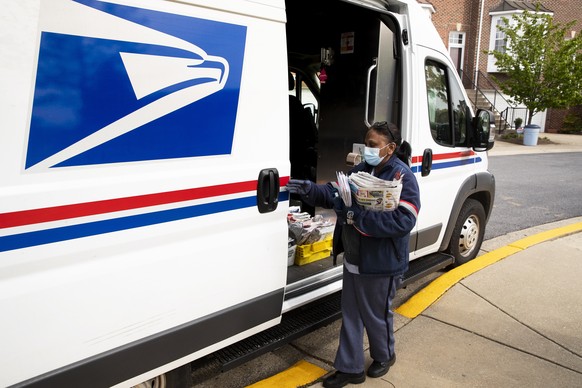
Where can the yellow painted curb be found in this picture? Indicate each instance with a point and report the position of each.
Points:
(299, 374)
(431, 293)
(547, 235)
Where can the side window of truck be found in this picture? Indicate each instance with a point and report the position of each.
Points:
(304, 93)
(448, 112)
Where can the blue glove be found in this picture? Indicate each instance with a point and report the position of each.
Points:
(301, 187)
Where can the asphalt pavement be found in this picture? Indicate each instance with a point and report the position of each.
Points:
(512, 317)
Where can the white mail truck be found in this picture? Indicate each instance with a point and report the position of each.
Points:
(144, 150)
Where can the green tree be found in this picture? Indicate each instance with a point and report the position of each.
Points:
(543, 66)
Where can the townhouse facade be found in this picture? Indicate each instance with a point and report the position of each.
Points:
(468, 29)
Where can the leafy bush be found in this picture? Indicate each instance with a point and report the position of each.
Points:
(572, 124)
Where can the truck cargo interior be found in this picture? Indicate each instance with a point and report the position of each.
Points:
(343, 75)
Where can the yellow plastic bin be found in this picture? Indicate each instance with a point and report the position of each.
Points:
(306, 254)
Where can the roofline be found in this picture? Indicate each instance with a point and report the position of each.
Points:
(517, 11)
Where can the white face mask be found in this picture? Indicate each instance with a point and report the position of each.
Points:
(372, 155)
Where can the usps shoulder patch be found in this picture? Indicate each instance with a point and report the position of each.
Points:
(116, 84)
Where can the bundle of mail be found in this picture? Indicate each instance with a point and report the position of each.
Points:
(304, 229)
(369, 191)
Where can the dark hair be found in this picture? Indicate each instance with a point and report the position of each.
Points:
(391, 132)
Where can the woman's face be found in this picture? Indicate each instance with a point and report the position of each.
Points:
(374, 139)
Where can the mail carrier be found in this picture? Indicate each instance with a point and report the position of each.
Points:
(145, 147)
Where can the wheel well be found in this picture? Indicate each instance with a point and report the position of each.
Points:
(485, 199)
(480, 187)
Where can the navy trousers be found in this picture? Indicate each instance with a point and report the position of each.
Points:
(366, 303)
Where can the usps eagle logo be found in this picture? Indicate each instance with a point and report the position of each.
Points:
(118, 84)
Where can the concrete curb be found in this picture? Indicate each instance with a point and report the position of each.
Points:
(431, 293)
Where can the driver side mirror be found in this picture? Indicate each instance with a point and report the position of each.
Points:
(483, 136)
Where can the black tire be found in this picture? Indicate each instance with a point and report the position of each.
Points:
(468, 233)
(180, 377)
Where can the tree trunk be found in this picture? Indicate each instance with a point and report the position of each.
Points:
(530, 114)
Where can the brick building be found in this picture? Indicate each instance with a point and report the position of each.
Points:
(467, 27)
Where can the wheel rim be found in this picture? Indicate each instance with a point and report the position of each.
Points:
(469, 236)
(156, 382)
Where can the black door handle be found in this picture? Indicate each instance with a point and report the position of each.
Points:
(268, 190)
(426, 162)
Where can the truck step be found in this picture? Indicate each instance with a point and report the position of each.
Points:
(423, 266)
(294, 324)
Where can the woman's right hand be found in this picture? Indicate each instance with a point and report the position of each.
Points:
(297, 186)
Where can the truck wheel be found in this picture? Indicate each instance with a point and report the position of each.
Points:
(180, 377)
(468, 233)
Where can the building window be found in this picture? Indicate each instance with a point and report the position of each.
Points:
(500, 42)
(497, 39)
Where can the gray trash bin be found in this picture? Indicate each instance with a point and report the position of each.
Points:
(530, 135)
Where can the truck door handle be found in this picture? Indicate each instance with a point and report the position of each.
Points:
(268, 190)
(426, 162)
(369, 80)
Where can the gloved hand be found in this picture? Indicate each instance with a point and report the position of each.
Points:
(301, 187)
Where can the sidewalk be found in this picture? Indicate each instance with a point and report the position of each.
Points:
(561, 143)
(510, 318)
(515, 322)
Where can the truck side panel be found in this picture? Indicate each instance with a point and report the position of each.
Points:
(132, 142)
